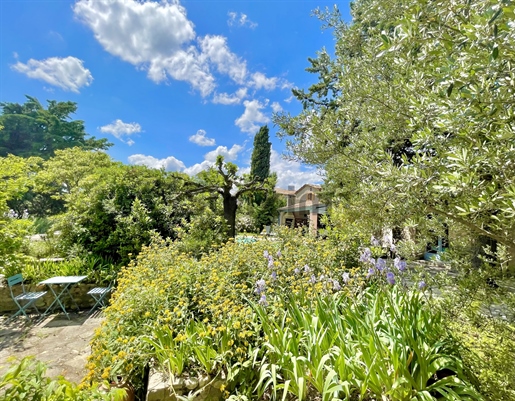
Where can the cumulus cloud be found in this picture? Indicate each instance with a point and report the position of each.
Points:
(276, 107)
(259, 80)
(169, 163)
(197, 168)
(252, 116)
(210, 158)
(228, 99)
(215, 49)
(66, 73)
(172, 164)
(159, 38)
(153, 35)
(292, 173)
(122, 130)
(228, 154)
(241, 20)
(200, 139)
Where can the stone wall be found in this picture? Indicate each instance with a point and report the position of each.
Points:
(204, 388)
(79, 293)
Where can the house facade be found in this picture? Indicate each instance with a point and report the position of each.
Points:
(303, 207)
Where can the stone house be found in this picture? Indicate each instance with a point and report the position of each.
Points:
(303, 206)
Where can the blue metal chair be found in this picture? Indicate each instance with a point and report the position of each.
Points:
(99, 294)
(24, 300)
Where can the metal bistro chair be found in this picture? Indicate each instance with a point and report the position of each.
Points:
(24, 300)
(99, 294)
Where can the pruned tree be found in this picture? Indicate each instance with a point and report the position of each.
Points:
(222, 179)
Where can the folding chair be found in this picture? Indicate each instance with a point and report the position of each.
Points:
(24, 300)
(99, 295)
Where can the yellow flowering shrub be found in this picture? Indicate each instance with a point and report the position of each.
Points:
(209, 298)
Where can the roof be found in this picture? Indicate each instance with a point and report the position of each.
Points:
(281, 191)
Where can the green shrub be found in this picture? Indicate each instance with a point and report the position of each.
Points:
(98, 270)
(26, 381)
(166, 287)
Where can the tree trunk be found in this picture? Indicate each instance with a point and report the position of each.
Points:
(230, 207)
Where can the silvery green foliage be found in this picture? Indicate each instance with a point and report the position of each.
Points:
(413, 114)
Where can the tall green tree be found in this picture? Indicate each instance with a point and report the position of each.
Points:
(260, 161)
(414, 114)
(262, 205)
(31, 130)
(16, 176)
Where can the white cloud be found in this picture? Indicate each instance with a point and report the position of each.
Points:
(197, 168)
(292, 173)
(158, 37)
(152, 35)
(200, 139)
(66, 73)
(248, 121)
(172, 164)
(121, 130)
(259, 80)
(276, 107)
(169, 164)
(243, 20)
(215, 49)
(228, 154)
(137, 32)
(228, 99)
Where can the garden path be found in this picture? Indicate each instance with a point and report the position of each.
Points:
(61, 343)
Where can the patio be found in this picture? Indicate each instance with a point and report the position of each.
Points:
(61, 343)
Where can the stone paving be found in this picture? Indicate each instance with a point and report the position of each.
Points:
(61, 343)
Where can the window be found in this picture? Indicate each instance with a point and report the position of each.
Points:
(310, 197)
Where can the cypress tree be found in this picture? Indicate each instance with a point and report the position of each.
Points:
(260, 162)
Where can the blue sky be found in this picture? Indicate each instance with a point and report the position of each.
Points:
(171, 84)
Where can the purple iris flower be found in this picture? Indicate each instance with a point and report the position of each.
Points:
(371, 272)
(393, 248)
(374, 241)
(279, 254)
(306, 269)
(274, 275)
(380, 264)
(262, 300)
(421, 285)
(296, 271)
(266, 254)
(399, 264)
(313, 279)
(390, 277)
(336, 285)
(260, 286)
(346, 277)
(270, 261)
(366, 255)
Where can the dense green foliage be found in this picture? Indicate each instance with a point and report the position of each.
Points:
(26, 381)
(31, 130)
(413, 115)
(16, 176)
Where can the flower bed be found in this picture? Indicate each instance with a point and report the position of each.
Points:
(274, 317)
